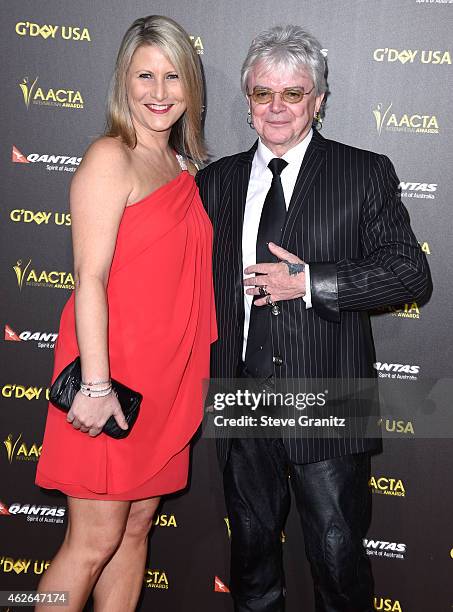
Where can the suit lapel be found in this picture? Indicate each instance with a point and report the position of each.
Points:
(238, 195)
(313, 161)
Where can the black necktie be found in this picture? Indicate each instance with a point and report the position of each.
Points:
(258, 355)
(273, 214)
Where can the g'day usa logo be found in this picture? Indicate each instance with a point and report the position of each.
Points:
(51, 161)
(41, 339)
(34, 513)
(23, 566)
(410, 56)
(49, 31)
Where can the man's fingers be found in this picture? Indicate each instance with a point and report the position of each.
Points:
(261, 302)
(261, 268)
(282, 253)
(94, 431)
(256, 281)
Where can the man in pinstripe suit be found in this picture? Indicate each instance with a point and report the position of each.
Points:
(345, 246)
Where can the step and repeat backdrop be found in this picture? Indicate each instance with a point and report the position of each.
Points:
(390, 74)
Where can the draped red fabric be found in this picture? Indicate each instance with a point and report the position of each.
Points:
(161, 324)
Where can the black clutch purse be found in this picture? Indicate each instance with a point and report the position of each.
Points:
(67, 384)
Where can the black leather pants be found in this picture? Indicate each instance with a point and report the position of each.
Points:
(334, 505)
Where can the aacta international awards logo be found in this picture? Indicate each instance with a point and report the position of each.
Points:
(156, 579)
(56, 97)
(27, 89)
(417, 123)
(197, 44)
(384, 485)
(10, 446)
(21, 270)
(408, 311)
(55, 279)
(18, 450)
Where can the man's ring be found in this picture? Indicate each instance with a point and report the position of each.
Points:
(263, 290)
(269, 302)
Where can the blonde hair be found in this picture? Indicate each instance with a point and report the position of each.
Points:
(186, 135)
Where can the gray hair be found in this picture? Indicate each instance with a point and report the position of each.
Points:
(289, 46)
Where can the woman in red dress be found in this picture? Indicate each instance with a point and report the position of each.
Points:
(142, 312)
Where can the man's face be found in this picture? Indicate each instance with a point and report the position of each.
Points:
(282, 125)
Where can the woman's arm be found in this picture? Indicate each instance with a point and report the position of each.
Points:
(99, 193)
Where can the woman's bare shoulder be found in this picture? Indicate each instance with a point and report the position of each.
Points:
(106, 164)
(107, 151)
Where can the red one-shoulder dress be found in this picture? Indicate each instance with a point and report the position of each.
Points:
(161, 323)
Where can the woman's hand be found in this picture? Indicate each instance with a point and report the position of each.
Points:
(90, 414)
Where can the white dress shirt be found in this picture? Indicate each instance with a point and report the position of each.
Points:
(259, 184)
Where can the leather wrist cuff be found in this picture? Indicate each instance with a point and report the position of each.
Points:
(324, 290)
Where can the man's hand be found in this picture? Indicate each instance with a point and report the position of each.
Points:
(275, 278)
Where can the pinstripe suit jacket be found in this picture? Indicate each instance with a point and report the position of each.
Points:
(347, 221)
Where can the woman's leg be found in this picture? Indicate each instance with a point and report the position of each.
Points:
(121, 580)
(94, 532)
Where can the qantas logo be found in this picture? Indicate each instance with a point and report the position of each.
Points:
(59, 163)
(219, 587)
(408, 186)
(379, 548)
(396, 367)
(44, 339)
(32, 509)
(380, 545)
(424, 191)
(11, 335)
(18, 157)
(4, 510)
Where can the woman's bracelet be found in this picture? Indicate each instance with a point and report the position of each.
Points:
(106, 385)
(90, 391)
(96, 383)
